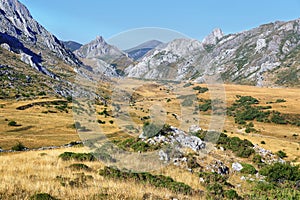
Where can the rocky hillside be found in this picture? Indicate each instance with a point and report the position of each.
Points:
(27, 46)
(103, 57)
(264, 56)
(23, 34)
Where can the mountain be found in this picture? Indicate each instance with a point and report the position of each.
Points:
(98, 53)
(140, 50)
(170, 61)
(264, 56)
(22, 33)
(31, 58)
(71, 45)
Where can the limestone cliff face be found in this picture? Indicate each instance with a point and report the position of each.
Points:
(268, 55)
(17, 24)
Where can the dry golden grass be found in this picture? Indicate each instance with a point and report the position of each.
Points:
(55, 128)
(38, 129)
(24, 174)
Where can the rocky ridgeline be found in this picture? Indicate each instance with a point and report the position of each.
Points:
(17, 24)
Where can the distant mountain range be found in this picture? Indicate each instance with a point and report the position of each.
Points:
(139, 51)
(71, 45)
(268, 55)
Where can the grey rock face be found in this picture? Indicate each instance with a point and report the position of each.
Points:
(17, 22)
(104, 57)
(214, 37)
(236, 166)
(264, 56)
(178, 137)
(171, 61)
(98, 48)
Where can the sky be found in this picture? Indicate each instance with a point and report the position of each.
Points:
(83, 20)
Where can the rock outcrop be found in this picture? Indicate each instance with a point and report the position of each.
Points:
(16, 22)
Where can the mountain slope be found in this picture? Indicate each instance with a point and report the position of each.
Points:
(31, 58)
(170, 61)
(140, 50)
(101, 55)
(17, 24)
(264, 56)
(71, 45)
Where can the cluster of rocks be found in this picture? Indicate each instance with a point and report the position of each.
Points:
(267, 155)
(218, 167)
(177, 137)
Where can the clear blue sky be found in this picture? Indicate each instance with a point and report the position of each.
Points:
(83, 20)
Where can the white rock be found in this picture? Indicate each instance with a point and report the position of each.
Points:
(194, 128)
(236, 166)
(5, 46)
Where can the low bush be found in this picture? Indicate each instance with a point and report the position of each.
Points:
(281, 154)
(134, 144)
(79, 166)
(201, 89)
(242, 148)
(248, 169)
(159, 181)
(77, 156)
(279, 172)
(42, 196)
(12, 123)
(19, 147)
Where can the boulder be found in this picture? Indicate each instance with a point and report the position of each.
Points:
(236, 166)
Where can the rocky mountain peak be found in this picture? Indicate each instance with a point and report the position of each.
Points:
(98, 48)
(17, 24)
(213, 37)
(100, 39)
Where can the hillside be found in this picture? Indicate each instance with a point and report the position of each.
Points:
(264, 56)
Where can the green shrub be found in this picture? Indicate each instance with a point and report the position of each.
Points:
(187, 85)
(42, 93)
(247, 100)
(79, 166)
(42, 196)
(280, 171)
(206, 106)
(77, 156)
(100, 121)
(231, 194)
(12, 123)
(280, 100)
(19, 147)
(277, 118)
(201, 89)
(281, 154)
(111, 121)
(133, 144)
(248, 169)
(242, 148)
(159, 181)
